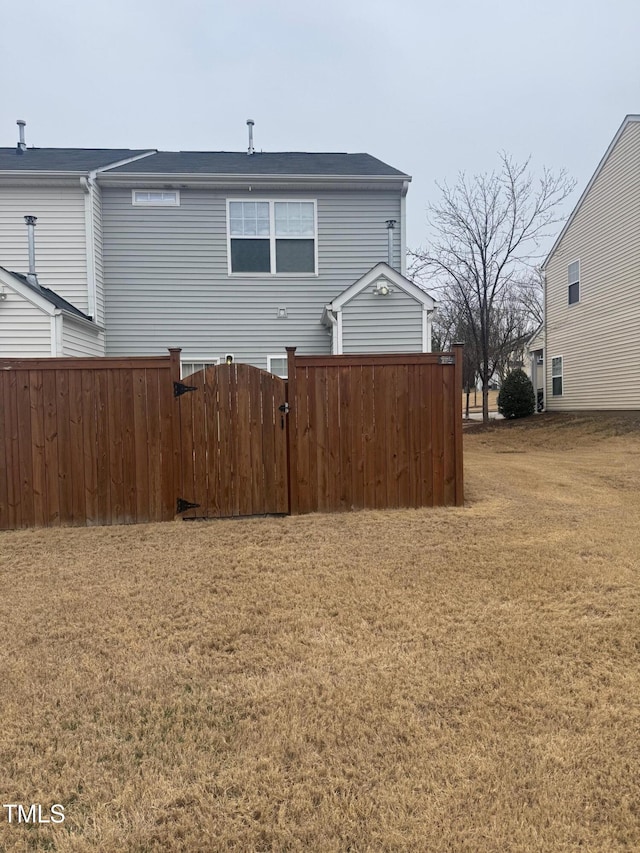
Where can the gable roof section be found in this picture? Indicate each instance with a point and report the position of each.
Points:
(37, 294)
(63, 159)
(382, 270)
(272, 163)
(629, 119)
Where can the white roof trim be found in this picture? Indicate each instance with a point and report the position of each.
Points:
(27, 293)
(394, 277)
(629, 119)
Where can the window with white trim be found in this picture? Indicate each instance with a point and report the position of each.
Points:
(187, 368)
(272, 237)
(156, 198)
(556, 376)
(574, 282)
(278, 365)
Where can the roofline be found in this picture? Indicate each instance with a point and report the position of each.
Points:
(119, 163)
(382, 268)
(242, 176)
(631, 118)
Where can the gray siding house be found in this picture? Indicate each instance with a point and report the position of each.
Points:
(219, 253)
(592, 279)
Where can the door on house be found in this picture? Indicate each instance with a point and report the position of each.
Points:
(233, 441)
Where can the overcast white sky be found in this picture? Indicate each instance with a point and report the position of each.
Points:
(431, 88)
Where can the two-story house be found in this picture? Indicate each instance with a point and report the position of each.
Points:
(591, 337)
(220, 253)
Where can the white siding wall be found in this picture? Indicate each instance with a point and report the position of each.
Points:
(391, 323)
(77, 340)
(167, 283)
(25, 332)
(59, 236)
(599, 337)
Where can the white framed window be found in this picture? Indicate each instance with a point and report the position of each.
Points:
(278, 365)
(187, 368)
(556, 376)
(155, 198)
(272, 237)
(574, 282)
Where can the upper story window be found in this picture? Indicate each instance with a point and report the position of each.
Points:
(156, 198)
(574, 282)
(272, 237)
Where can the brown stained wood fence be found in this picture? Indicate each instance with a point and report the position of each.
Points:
(378, 431)
(86, 441)
(105, 441)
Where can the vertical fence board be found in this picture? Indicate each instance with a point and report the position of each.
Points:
(23, 411)
(321, 465)
(38, 463)
(103, 504)
(152, 437)
(115, 415)
(140, 444)
(356, 437)
(402, 410)
(213, 443)
(90, 449)
(302, 422)
(5, 520)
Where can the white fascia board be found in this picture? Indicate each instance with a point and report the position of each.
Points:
(80, 321)
(27, 293)
(630, 119)
(251, 183)
(393, 276)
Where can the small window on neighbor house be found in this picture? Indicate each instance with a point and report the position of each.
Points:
(156, 198)
(574, 282)
(278, 365)
(187, 368)
(556, 376)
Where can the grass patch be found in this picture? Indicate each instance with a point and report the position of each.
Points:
(450, 679)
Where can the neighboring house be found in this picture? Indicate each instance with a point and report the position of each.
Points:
(592, 310)
(219, 253)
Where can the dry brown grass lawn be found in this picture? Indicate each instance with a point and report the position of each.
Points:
(437, 680)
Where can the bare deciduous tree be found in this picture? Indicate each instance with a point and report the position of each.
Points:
(486, 238)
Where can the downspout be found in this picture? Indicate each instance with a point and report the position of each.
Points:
(544, 340)
(334, 329)
(88, 186)
(403, 227)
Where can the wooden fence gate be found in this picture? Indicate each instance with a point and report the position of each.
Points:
(233, 441)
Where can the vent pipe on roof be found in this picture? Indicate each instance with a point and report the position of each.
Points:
(32, 278)
(250, 123)
(22, 145)
(391, 224)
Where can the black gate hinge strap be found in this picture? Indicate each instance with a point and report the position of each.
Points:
(179, 388)
(183, 506)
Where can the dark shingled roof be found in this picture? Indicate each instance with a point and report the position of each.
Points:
(196, 162)
(271, 163)
(49, 295)
(62, 159)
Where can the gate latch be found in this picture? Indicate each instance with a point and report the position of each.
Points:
(284, 408)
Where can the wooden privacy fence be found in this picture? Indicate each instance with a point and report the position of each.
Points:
(124, 440)
(376, 431)
(86, 441)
